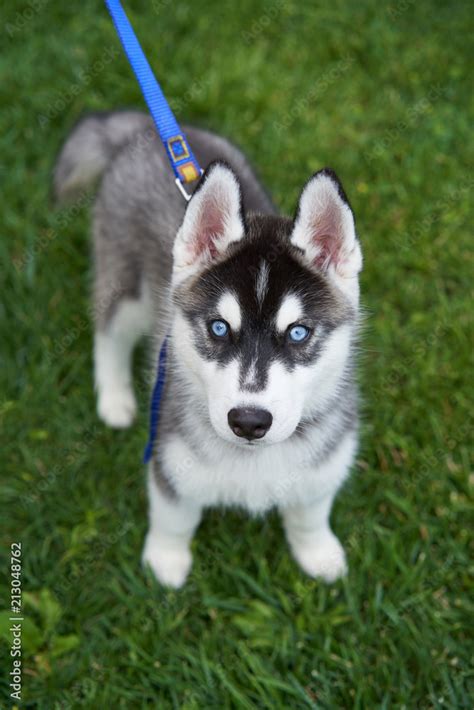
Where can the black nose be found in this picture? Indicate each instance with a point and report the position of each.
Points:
(249, 422)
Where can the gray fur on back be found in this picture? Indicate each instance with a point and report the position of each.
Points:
(138, 209)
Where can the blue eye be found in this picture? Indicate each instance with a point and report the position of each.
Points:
(219, 328)
(298, 333)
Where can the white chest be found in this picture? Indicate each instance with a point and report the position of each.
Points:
(258, 479)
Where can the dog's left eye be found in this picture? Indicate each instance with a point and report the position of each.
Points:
(298, 333)
(219, 328)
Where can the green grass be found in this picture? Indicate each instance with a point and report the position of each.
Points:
(381, 93)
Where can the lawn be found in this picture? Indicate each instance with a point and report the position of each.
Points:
(381, 93)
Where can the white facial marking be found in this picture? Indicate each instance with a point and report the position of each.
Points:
(288, 395)
(251, 375)
(262, 282)
(291, 310)
(229, 309)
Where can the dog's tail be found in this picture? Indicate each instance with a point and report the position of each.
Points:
(90, 146)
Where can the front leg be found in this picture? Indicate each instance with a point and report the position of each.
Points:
(313, 544)
(172, 525)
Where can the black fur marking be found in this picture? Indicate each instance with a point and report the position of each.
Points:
(258, 344)
(163, 482)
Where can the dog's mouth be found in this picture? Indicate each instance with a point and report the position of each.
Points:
(243, 444)
(254, 445)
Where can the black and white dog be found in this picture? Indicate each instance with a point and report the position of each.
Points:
(260, 402)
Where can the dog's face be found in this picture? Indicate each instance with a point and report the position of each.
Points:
(265, 306)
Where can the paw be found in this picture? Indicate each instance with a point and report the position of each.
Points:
(326, 560)
(117, 407)
(170, 565)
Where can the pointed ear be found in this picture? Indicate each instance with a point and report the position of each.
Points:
(324, 227)
(213, 220)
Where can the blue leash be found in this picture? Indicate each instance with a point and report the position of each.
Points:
(185, 166)
(182, 160)
(156, 401)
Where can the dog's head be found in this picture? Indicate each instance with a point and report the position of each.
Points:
(265, 306)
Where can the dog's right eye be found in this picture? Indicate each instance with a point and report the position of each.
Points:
(298, 333)
(219, 328)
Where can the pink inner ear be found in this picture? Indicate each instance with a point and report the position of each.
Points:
(210, 227)
(326, 231)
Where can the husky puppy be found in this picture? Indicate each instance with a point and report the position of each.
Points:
(260, 404)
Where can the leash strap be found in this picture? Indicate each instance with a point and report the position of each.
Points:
(156, 401)
(182, 160)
